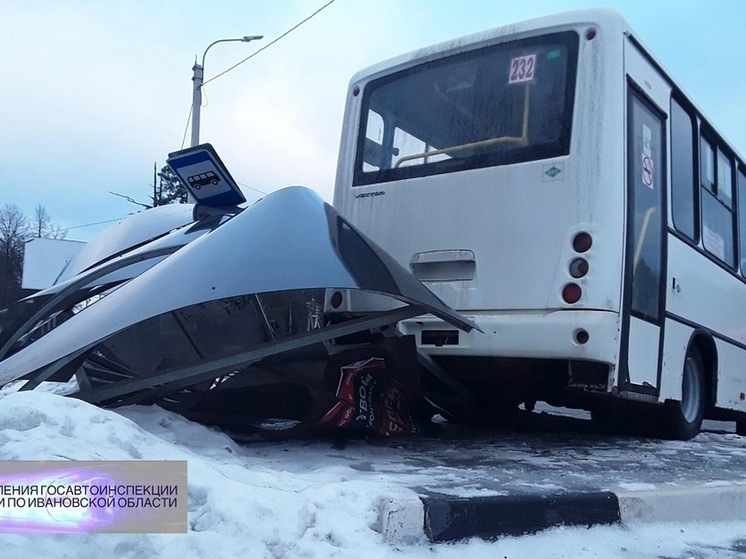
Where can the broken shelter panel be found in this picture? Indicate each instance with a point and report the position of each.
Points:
(27, 320)
(128, 233)
(287, 241)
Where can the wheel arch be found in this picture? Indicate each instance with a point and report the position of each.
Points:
(705, 344)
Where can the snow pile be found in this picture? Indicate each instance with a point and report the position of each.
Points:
(294, 499)
(235, 508)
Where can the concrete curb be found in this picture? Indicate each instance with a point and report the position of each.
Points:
(691, 504)
(441, 518)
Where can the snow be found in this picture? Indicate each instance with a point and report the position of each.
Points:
(291, 499)
(637, 486)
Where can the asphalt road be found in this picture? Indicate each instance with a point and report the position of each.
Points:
(543, 452)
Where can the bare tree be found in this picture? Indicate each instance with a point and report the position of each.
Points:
(41, 225)
(13, 232)
(40, 222)
(56, 231)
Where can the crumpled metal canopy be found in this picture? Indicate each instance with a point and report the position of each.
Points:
(289, 240)
(21, 318)
(130, 232)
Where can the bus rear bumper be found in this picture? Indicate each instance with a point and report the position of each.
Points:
(562, 334)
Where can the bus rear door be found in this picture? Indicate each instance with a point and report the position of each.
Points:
(644, 293)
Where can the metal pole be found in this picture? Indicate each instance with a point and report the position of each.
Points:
(197, 78)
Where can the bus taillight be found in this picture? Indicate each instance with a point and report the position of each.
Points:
(571, 293)
(578, 268)
(336, 300)
(582, 242)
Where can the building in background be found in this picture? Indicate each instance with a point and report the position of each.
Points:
(45, 259)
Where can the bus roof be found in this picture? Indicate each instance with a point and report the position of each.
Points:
(605, 16)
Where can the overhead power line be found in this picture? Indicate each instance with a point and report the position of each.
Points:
(186, 128)
(96, 223)
(252, 188)
(265, 47)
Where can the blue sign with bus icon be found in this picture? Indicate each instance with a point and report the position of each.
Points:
(205, 176)
(203, 179)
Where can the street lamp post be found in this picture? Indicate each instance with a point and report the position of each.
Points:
(197, 78)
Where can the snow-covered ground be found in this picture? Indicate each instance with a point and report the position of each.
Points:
(315, 499)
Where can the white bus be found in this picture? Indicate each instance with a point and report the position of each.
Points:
(550, 181)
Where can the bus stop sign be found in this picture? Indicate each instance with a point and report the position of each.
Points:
(205, 176)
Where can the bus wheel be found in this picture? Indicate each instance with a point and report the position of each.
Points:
(684, 418)
(609, 416)
(741, 428)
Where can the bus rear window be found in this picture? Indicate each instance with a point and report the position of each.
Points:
(498, 105)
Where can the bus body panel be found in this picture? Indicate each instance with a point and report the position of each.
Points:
(476, 219)
(678, 335)
(705, 294)
(731, 388)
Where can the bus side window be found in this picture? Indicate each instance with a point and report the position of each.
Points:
(684, 195)
(742, 217)
(374, 156)
(716, 176)
(707, 164)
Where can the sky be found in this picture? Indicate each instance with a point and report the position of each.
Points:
(96, 93)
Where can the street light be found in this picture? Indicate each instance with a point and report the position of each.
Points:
(199, 70)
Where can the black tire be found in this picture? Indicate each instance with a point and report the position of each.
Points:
(741, 428)
(626, 417)
(606, 417)
(683, 419)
